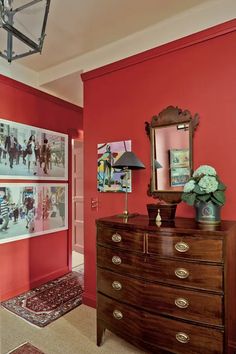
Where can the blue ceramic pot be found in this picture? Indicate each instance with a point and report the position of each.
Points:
(208, 213)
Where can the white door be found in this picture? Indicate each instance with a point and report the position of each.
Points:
(78, 197)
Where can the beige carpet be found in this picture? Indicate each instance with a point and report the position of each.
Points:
(74, 333)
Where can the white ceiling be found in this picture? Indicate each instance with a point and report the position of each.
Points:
(79, 26)
(85, 34)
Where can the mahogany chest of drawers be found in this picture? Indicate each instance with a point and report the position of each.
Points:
(167, 289)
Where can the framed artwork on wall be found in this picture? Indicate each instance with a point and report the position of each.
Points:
(179, 167)
(32, 209)
(179, 176)
(28, 152)
(111, 179)
(179, 158)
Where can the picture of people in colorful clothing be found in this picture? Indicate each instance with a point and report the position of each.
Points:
(32, 153)
(28, 210)
(111, 179)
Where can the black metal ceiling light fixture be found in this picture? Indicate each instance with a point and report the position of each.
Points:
(24, 27)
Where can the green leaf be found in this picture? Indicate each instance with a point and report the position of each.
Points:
(185, 196)
(189, 198)
(214, 200)
(203, 198)
(206, 198)
(221, 186)
(220, 196)
(198, 190)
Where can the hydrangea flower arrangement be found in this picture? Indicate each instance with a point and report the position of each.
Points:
(204, 186)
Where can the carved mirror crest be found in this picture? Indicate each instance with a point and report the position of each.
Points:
(171, 136)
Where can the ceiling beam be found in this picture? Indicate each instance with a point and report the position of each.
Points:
(188, 22)
(191, 21)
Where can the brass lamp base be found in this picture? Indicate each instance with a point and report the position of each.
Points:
(126, 215)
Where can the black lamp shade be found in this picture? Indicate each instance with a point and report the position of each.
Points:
(128, 160)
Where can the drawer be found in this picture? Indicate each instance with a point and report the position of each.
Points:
(175, 336)
(175, 272)
(183, 273)
(123, 239)
(120, 261)
(184, 246)
(181, 303)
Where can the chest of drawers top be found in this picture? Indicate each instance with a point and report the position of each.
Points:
(182, 237)
(184, 225)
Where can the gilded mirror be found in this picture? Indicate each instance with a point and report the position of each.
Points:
(171, 136)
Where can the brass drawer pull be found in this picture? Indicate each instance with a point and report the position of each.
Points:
(181, 303)
(182, 273)
(116, 260)
(181, 247)
(182, 337)
(116, 237)
(117, 314)
(116, 285)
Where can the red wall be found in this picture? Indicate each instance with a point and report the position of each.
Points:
(31, 262)
(196, 73)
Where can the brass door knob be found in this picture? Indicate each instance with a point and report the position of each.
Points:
(116, 260)
(181, 247)
(116, 237)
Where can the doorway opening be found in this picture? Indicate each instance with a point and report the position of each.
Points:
(77, 206)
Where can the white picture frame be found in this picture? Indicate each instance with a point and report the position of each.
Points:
(24, 153)
(48, 213)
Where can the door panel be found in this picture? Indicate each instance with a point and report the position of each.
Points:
(78, 198)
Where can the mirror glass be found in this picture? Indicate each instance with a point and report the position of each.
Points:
(171, 165)
(171, 135)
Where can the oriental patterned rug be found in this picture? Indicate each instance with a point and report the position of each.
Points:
(50, 301)
(26, 348)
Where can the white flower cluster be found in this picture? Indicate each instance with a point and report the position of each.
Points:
(208, 184)
(204, 170)
(204, 186)
(189, 186)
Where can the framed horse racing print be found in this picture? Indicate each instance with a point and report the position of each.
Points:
(28, 152)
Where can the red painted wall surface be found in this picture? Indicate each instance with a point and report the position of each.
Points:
(196, 73)
(31, 262)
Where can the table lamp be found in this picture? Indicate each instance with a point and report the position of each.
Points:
(127, 161)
